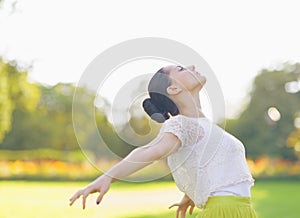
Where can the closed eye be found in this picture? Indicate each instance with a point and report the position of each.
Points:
(180, 68)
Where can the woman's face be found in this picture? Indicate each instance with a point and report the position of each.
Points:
(186, 77)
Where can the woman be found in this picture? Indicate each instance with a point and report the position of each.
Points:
(207, 164)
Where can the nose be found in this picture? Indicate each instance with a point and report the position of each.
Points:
(191, 68)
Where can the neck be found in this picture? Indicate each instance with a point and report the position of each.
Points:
(191, 106)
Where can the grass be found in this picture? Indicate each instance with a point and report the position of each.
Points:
(276, 199)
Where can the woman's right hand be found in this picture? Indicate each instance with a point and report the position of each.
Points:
(183, 206)
(101, 185)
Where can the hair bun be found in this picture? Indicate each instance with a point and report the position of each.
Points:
(154, 112)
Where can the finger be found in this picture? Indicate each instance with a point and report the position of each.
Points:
(99, 199)
(84, 196)
(183, 212)
(173, 205)
(75, 197)
(177, 213)
(191, 209)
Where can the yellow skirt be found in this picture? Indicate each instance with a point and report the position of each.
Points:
(228, 207)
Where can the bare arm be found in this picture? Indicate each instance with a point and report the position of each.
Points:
(136, 160)
(143, 156)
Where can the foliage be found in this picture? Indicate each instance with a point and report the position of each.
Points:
(47, 170)
(15, 92)
(40, 121)
(47, 164)
(268, 120)
(51, 169)
(266, 167)
(48, 126)
(39, 155)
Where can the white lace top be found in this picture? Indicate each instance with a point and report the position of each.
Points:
(209, 158)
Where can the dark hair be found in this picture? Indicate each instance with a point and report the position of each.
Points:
(159, 106)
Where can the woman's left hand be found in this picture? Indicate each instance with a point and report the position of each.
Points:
(183, 206)
(101, 185)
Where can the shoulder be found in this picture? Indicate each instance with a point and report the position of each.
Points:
(185, 123)
(173, 121)
(188, 130)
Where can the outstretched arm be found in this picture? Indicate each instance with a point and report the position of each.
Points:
(136, 160)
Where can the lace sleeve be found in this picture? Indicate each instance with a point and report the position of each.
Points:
(187, 131)
(174, 126)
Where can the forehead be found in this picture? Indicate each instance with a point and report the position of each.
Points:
(170, 68)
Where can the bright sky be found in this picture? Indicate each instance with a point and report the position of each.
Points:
(237, 38)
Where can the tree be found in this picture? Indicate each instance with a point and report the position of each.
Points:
(268, 120)
(50, 124)
(15, 92)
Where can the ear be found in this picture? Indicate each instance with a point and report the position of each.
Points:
(173, 90)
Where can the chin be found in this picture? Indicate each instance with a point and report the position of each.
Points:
(202, 80)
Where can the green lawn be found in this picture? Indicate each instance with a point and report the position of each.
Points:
(277, 199)
(50, 199)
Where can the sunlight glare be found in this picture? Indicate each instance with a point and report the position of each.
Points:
(274, 114)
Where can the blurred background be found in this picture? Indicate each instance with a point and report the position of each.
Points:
(45, 47)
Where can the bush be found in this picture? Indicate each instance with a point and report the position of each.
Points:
(43, 154)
